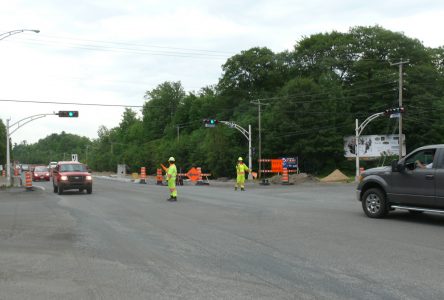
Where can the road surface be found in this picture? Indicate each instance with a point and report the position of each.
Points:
(124, 241)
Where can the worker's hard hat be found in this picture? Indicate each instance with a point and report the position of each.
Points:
(240, 158)
(171, 159)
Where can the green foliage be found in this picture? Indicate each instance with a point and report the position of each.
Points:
(55, 147)
(2, 143)
(313, 95)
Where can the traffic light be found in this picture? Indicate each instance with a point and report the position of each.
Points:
(210, 122)
(68, 113)
(394, 111)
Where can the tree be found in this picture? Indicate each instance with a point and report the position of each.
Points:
(2, 143)
(160, 108)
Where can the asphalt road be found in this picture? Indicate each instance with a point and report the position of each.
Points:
(124, 241)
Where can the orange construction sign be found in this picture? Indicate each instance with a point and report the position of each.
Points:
(276, 166)
(194, 174)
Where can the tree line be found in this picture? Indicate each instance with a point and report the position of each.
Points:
(311, 97)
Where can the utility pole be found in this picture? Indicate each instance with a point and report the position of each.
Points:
(259, 104)
(86, 160)
(400, 139)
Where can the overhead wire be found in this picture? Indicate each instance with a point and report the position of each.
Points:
(71, 103)
(141, 51)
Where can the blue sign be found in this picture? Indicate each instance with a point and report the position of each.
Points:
(290, 162)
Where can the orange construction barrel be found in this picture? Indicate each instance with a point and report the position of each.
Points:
(142, 175)
(285, 179)
(159, 177)
(28, 181)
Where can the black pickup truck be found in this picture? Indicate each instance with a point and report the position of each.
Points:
(414, 183)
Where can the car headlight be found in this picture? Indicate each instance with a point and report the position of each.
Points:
(64, 177)
(88, 177)
(47, 174)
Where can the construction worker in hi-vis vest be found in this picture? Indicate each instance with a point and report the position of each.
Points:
(241, 168)
(171, 179)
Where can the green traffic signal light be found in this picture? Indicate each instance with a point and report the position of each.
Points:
(68, 113)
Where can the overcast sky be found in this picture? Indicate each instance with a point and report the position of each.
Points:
(113, 51)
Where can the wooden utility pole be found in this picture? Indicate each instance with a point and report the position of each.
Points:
(401, 142)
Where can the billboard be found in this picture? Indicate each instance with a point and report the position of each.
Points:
(373, 146)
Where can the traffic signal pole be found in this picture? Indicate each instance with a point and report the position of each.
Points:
(247, 135)
(358, 131)
(21, 123)
(9, 132)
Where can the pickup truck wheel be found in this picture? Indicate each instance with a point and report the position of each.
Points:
(374, 203)
(55, 188)
(60, 190)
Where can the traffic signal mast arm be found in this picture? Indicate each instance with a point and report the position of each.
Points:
(360, 128)
(27, 120)
(239, 128)
(246, 134)
(390, 111)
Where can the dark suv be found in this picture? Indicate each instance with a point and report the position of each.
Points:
(414, 183)
(69, 175)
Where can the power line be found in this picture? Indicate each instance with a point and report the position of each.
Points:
(125, 49)
(70, 103)
(135, 44)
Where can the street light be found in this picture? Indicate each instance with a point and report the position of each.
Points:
(8, 163)
(12, 32)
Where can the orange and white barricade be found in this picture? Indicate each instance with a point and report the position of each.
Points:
(159, 177)
(200, 180)
(142, 175)
(28, 181)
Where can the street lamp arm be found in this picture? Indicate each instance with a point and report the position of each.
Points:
(8, 133)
